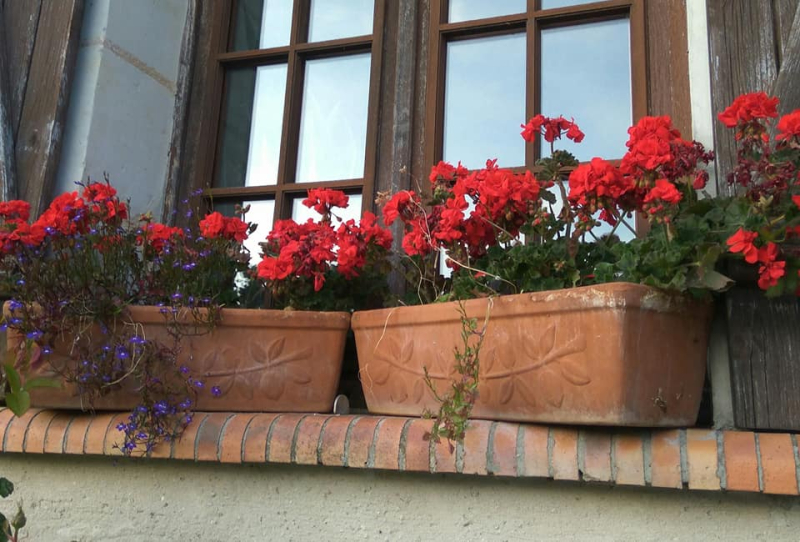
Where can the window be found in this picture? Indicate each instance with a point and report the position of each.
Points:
(297, 107)
(493, 65)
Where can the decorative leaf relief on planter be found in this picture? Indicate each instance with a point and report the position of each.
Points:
(542, 353)
(255, 367)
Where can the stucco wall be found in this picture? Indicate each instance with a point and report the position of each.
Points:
(98, 499)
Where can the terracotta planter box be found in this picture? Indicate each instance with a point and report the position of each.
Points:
(263, 360)
(614, 354)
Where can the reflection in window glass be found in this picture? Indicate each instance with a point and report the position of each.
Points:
(468, 10)
(334, 19)
(622, 232)
(301, 213)
(333, 123)
(236, 117)
(485, 101)
(586, 75)
(266, 124)
(549, 4)
(261, 24)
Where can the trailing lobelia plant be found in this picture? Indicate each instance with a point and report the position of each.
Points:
(73, 273)
(330, 264)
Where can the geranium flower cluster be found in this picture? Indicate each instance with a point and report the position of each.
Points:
(315, 249)
(769, 173)
(472, 212)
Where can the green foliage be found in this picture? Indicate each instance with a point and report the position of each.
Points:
(9, 530)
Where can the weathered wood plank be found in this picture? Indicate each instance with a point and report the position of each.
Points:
(783, 15)
(743, 59)
(8, 182)
(668, 63)
(786, 85)
(180, 117)
(45, 103)
(20, 23)
(764, 345)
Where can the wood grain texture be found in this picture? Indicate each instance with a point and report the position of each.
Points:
(46, 97)
(743, 59)
(668, 63)
(786, 85)
(19, 30)
(180, 116)
(764, 345)
(783, 17)
(8, 182)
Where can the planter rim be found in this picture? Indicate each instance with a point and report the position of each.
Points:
(599, 296)
(286, 319)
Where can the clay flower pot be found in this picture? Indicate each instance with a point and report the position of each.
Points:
(262, 360)
(613, 354)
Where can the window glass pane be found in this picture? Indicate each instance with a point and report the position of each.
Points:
(266, 125)
(261, 24)
(586, 75)
(549, 4)
(468, 10)
(623, 233)
(301, 213)
(484, 101)
(333, 124)
(334, 19)
(252, 123)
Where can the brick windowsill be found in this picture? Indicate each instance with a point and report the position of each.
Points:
(678, 458)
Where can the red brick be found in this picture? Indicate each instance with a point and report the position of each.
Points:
(208, 436)
(6, 416)
(445, 455)
(629, 460)
(96, 434)
(232, 440)
(56, 431)
(305, 449)
(37, 429)
(361, 441)
(534, 445)
(741, 462)
(777, 463)
(255, 438)
(476, 442)
(16, 429)
(418, 446)
(665, 459)
(701, 454)
(76, 434)
(113, 436)
(280, 437)
(504, 449)
(564, 460)
(184, 447)
(333, 437)
(387, 447)
(596, 456)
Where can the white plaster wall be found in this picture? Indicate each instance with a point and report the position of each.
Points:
(98, 499)
(120, 114)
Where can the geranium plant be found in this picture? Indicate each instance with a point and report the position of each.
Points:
(329, 263)
(73, 273)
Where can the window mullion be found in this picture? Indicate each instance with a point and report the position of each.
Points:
(532, 78)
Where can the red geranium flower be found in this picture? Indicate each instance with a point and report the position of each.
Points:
(749, 107)
(742, 241)
(789, 126)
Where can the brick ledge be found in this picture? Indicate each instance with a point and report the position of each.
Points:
(677, 458)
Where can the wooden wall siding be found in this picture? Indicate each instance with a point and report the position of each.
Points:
(8, 181)
(668, 62)
(751, 42)
(40, 40)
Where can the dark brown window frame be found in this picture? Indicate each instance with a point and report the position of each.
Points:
(294, 55)
(441, 32)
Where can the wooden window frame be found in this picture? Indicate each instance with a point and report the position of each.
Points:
(531, 22)
(294, 55)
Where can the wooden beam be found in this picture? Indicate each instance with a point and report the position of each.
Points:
(19, 27)
(44, 111)
(786, 87)
(8, 177)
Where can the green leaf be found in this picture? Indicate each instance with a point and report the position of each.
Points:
(4, 528)
(712, 280)
(6, 487)
(19, 402)
(42, 382)
(14, 381)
